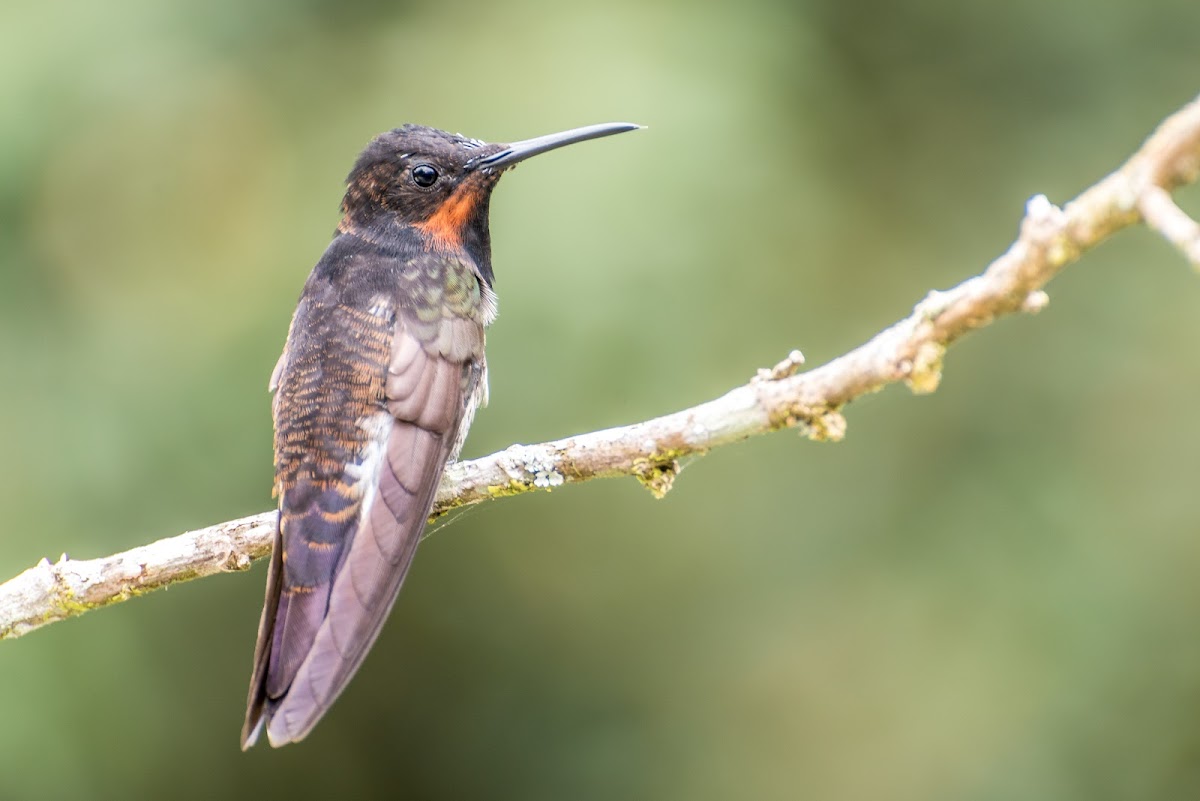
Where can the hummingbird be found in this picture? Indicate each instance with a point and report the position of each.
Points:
(380, 377)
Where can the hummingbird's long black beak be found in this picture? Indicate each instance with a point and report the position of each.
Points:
(519, 151)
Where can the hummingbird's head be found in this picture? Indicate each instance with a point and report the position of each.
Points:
(441, 183)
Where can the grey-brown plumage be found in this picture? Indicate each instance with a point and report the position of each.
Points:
(379, 379)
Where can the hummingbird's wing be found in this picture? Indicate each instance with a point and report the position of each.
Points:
(374, 393)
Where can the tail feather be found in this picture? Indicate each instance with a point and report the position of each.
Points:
(257, 700)
(299, 672)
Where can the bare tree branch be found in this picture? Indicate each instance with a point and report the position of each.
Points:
(1160, 213)
(910, 351)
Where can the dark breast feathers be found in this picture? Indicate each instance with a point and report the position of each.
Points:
(374, 392)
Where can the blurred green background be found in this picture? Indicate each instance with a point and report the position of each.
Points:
(989, 593)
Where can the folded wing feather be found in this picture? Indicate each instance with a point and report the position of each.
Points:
(347, 543)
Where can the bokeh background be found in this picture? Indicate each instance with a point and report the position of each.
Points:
(989, 593)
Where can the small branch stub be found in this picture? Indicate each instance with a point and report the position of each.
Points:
(790, 365)
(1035, 301)
(1171, 222)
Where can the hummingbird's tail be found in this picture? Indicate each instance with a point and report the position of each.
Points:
(256, 702)
(325, 610)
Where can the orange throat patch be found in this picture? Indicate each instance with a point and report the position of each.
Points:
(445, 227)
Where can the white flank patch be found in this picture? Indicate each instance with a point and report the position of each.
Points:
(365, 474)
(381, 306)
(489, 307)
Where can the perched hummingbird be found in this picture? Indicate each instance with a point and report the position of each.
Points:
(379, 379)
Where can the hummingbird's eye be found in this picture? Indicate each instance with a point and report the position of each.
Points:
(424, 175)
